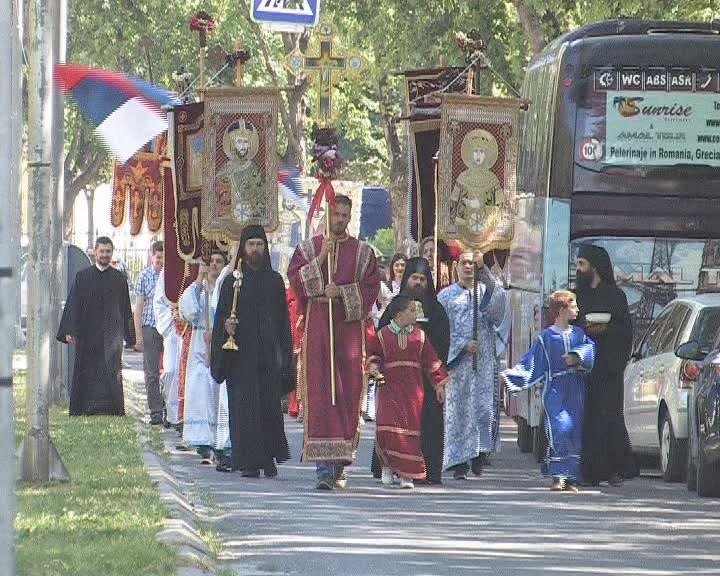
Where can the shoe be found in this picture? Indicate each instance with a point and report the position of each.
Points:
(156, 420)
(341, 481)
(406, 484)
(460, 474)
(250, 473)
(557, 485)
(477, 467)
(299, 419)
(324, 484)
(615, 480)
(270, 470)
(571, 488)
(387, 477)
(224, 465)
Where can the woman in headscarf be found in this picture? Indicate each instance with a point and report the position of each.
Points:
(606, 446)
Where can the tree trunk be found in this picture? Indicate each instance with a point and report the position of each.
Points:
(398, 165)
(532, 26)
(90, 198)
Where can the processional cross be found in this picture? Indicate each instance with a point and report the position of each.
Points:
(330, 67)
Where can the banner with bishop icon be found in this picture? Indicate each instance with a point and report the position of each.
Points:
(240, 160)
(478, 155)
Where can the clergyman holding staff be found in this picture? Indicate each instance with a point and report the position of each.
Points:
(332, 428)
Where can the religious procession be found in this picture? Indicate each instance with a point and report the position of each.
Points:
(348, 307)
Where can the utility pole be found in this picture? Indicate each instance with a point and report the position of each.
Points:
(10, 152)
(39, 460)
(57, 287)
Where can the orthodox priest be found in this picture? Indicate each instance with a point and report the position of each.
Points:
(332, 430)
(607, 455)
(97, 318)
(261, 371)
(417, 284)
(472, 405)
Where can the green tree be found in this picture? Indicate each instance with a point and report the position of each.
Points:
(384, 242)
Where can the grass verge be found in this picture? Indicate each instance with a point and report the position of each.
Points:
(104, 521)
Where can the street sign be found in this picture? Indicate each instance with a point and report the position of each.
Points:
(286, 15)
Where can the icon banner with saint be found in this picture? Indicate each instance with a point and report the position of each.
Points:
(478, 155)
(241, 162)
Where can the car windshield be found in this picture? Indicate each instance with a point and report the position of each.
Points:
(706, 328)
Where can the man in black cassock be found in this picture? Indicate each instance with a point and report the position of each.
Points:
(606, 451)
(417, 283)
(97, 318)
(261, 371)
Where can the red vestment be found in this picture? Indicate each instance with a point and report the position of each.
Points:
(332, 432)
(295, 321)
(403, 359)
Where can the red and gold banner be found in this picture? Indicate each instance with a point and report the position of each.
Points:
(476, 195)
(140, 181)
(241, 162)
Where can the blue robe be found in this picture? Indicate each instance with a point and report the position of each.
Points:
(563, 394)
(472, 403)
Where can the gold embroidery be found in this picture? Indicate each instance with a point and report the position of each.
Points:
(352, 299)
(402, 340)
(311, 277)
(403, 363)
(397, 430)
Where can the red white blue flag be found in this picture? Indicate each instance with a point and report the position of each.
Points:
(127, 112)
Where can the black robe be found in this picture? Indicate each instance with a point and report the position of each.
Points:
(606, 445)
(98, 315)
(433, 423)
(260, 372)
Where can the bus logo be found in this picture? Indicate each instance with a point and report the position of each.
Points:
(628, 107)
(591, 149)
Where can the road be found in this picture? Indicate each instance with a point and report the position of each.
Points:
(505, 523)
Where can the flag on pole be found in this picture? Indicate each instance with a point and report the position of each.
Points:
(291, 186)
(127, 112)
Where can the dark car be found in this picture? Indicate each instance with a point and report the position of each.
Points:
(704, 412)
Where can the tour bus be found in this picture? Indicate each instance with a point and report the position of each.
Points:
(620, 148)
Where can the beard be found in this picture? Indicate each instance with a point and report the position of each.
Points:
(583, 280)
(416, 292)
(255, 259)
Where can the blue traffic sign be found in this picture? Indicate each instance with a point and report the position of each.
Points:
(290, 13)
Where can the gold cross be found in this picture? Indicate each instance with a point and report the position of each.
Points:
(328, 69)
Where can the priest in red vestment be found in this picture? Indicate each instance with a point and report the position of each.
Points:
(332, 431)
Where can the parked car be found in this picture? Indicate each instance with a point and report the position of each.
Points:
(703, 472)
(657, 381)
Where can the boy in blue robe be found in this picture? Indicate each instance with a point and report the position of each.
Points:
(559, 359)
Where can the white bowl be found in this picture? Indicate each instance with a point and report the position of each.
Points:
(598, 317)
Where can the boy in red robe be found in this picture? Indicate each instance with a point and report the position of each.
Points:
(405, 354)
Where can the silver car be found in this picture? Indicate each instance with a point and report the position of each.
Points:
(657, 382)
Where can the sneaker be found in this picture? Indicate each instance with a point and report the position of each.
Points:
(557, 485)
(571, 488)
(224, 465)
(406, 483)
(387, 477)
(324, 484)
(460, 474)
(341, 481)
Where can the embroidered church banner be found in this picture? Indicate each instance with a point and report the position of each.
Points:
(241, 163)
(139, 182)
(476, 195)
(187, 147)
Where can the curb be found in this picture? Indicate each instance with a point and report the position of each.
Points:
(181, 527)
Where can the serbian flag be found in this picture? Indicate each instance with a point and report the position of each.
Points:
(291, 186)
(127, 112)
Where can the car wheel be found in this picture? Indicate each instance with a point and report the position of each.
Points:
(673, 452)
(524, 436)
(539, 443)
(708, 476)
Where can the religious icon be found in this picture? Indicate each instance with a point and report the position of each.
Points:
(478, 195)
(240, 174)
(240, 161)
(476, 171)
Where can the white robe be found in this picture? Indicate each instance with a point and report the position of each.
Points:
(222, 431)
(201, 390)
(172, 351)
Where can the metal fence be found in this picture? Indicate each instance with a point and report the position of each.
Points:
(132, 262)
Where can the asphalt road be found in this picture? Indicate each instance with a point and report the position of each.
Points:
(505, 523)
